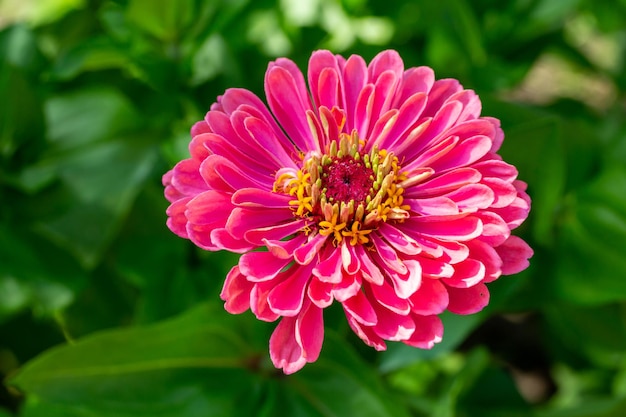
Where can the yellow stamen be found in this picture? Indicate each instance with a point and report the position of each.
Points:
(303, 203)
(331, 227)
(356, 235)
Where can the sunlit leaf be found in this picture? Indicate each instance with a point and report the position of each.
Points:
(164, 19)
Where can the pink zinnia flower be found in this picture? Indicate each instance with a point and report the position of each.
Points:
(376, 187)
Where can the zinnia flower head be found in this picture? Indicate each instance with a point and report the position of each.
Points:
(375, 186)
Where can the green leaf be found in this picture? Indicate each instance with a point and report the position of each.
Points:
(34, 275)
(603, 327)
(89, 115)
(595, 407)
(591, 259)
(467, 29)
(94, 54)
(193, 365)
(339, 384)
(100, 196)
(493, 394)
(456, 329)
(535, 147)
(21, 122)
(164, 19)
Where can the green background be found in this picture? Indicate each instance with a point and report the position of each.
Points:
(104, 312)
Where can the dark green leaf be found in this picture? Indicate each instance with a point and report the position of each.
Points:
(593, 234)
(186, 367)
(339, 384)
(456, 329)
(535, 148)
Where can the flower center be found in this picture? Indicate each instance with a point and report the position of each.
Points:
(347, 179)
(346, 192)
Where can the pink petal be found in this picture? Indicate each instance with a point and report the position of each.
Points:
(504, 192)
(285, 351)
(428, 331)
(186, 178)
(471, 197)
(515, 254)
(248, 163)
(349, 259)
(236, 292)
(430, 298)
(471, 105)
(206, 212)
(310, 331)
(488, 256)
(366, 334)
(228, 173)
(258, 301)
(460, 229)
(239, 98)
(499, 135)
(495, 230)
(324, 79)
(369, 269)
(360, 309)
(348, 287)
(465, 153)
(307, 252)
(494, 168)
(258, 235)
(171, 193)
(177, 221)
(414, 80)
(263, 140)
(285, 248)
(225, 241)
(468, 300)
(433, 206)
(400, 241)
(440, 93)
(329, 268)
(261, 266)
(384, 89)
(320, 293)
(354, 78)
(287, 297)
(254, 197)
(243, 219)
(408, 116)
(363, 110)
(444, 183)
(466, 274)
(288, 99)
(386, 296)
(199, 128)
(433, 153)
(388, 256)
(435, 268)
(382, 129)
(408, 283)
(392, 326)
(437, 129)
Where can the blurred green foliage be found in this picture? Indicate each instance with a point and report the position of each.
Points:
(104, 312)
